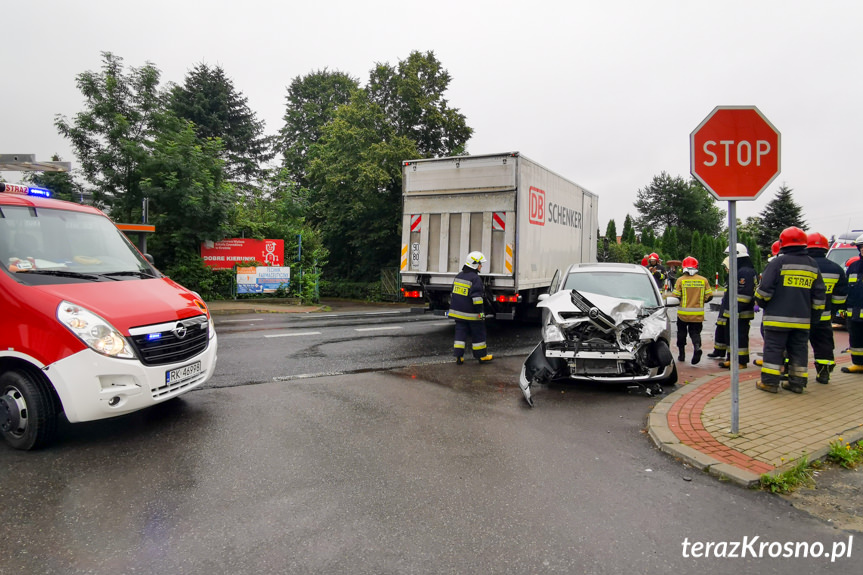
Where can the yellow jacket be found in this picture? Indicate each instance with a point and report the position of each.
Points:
(694, 292)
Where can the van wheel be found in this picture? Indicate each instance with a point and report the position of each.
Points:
(28, 414)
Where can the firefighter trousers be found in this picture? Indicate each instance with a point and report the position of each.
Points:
(821, 339)
(476, 330)
(779, 343)
(722, 341)
(855, 340)
(691, 328)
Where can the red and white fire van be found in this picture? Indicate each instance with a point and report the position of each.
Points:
(89, 327)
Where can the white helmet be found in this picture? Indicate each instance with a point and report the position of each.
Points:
(859, 241)
(741, 250)
(474, 259)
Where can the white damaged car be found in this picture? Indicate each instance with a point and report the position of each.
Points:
(603, 322)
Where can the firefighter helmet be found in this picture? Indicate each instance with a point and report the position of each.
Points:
(859, 241)
(741, 250)
(474, 259)
(792, 236)
(690, 265)
(774, 249)
(653, 256)
(817, 241)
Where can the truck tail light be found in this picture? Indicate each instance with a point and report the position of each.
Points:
(412, 293)
(502, 298)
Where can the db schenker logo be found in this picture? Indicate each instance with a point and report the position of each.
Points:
(536, 206)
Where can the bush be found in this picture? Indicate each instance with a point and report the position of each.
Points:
(210, 283)
(350, 290)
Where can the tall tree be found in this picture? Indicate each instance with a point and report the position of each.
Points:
(411, 96)
(208, 99)
(628, 234)
(111, 136)
(356, 166)
(312, 101)
(672, 201)
(611, 231)
(781, 212)
(670, 243)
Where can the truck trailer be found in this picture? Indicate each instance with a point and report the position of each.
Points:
(528, 221)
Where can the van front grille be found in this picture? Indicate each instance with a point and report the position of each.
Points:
(168, 343)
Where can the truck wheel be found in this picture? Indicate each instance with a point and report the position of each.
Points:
(28, 414)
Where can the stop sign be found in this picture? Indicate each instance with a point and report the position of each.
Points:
(734, 152)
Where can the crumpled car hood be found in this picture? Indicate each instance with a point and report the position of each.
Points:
(620, 311)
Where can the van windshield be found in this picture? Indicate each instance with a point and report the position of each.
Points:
(67, 245)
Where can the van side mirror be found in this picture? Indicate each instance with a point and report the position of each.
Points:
(150, 259)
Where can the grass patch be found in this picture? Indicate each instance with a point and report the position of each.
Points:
(848, 455)
(798, 476)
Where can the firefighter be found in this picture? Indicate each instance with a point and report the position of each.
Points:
(654, 265)
(466, 308)
(745, 286)
(854, 311)
(774, 251)
(821, 328)
(694, 292)
(791, 289)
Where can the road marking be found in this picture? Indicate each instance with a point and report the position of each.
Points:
(294, 334)
(238, 320)
(381, 312)
(377, 328)
(443, 323)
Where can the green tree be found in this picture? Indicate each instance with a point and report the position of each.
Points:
(61, 184)
(356, 168)
(672, 201)
(190, 199)
(781, 212)
(208, 99)
(111, 137)
(411, 96)
(611, 231)
(648, 238)
(312, 101)
(628, 234)
(695, 246)
(670, 243)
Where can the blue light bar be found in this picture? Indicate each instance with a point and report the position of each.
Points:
(43, 192)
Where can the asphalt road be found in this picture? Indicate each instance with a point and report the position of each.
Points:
(427, 467)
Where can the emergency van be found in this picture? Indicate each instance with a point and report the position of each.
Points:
(88, 327)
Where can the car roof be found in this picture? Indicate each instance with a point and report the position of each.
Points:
(605, 267)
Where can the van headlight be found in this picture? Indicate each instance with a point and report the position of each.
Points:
(94, 331)
(552, 333)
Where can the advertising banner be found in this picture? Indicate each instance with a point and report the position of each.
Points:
(226, 253)
(262, 279)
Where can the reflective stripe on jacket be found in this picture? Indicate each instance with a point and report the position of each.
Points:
(693, 293)
(835, 282)
(466, 301)
(791, 290)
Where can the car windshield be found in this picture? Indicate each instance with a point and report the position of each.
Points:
(620, 284)
(842, 255)
(65, 245)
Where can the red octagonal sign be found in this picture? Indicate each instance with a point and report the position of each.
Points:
(734, 152)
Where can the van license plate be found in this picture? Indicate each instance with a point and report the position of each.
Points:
(182, 373)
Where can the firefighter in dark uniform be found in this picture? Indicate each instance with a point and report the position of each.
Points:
(854, 311)
(821, 329)
(791, 290)
(657, 270)
(745, 285)
(466, 308)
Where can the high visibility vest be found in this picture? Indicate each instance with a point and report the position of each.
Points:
(693, 293)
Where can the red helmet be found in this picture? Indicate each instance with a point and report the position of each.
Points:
(792, 236)
(774, 249)
(817, 241)
(851, 261)
(653, 256)
(644, 261)
(690, 262)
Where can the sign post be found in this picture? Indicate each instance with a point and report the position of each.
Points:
(735, 153)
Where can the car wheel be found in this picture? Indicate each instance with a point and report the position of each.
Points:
(28, 414)
(672, 377)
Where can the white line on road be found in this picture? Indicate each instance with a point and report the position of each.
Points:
(377, 328)
(294, 334)
(381, 312)
(238, 320)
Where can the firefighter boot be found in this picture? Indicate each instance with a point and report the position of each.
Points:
(792, 387)
(823, 372)
(758, 362)
(727, 365)
(459, 360)
(767, 387)
(696, 357)
(717, 354)
(852, 369)
(682, 355)
(486, 358)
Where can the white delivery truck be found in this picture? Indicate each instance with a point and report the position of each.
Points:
(528, 221)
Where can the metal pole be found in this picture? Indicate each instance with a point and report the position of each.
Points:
(733, 360)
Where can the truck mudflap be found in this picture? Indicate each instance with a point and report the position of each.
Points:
(538, 369)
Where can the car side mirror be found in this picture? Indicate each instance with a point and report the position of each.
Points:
(543, 297)
(672, 302)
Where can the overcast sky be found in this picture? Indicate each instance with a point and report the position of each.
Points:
(604, 92)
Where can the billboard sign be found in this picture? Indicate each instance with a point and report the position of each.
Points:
(227, 253)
